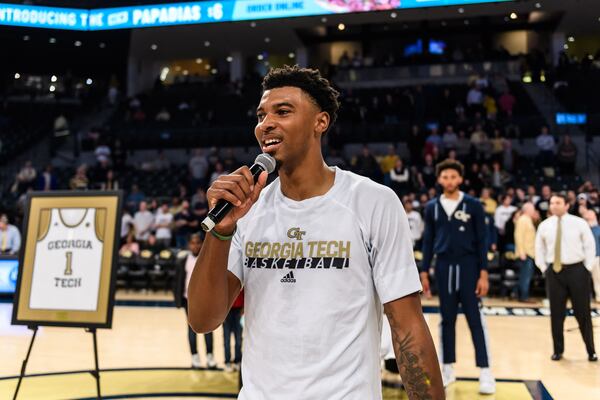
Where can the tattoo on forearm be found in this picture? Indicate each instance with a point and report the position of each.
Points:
(416, 381)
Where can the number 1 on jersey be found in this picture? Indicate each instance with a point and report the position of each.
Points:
(68, 270)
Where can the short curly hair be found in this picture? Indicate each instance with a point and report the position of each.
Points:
(309, 81)
(450, 164)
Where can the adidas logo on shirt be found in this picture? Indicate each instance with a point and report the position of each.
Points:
(289, 278)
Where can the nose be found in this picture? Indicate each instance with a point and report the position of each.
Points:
(267, 124)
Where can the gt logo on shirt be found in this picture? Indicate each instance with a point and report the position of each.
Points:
(295, 233)
(462, 216)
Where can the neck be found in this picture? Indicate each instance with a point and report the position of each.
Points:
(309, 178)
(452, 195)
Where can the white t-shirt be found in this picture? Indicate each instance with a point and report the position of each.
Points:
(415, 222)
(161, 219)
(315, 274)
(142, 221)
(502, 215)
(450, 205)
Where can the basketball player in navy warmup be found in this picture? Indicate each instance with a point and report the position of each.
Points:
(456, 233)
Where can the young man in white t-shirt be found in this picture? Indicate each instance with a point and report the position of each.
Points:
(318, 252)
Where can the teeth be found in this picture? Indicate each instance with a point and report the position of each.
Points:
(271, 141)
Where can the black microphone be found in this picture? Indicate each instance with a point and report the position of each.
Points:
(264, 162)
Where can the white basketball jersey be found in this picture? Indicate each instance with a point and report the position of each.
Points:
(67, 263)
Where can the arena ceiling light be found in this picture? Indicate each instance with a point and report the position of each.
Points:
(89, 81)
(341, 27)
(292, 55)
(198, 61)
(26, 38)
(77, 43)
(102, 45)
(53, 78)
(229, 59)
(513, 15)
(153, 47)
(17, 75)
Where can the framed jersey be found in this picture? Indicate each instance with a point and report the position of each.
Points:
(66, 269)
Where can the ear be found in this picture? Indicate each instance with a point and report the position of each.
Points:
(322, 122)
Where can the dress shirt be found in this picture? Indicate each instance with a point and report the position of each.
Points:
(577, 244)
(11, 239)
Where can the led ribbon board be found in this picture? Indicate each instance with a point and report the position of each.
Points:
(200, 12)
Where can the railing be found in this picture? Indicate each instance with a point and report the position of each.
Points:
(363, 77)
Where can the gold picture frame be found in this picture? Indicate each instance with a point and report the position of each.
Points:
(102, 211)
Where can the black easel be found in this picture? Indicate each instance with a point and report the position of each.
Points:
(95, 373)
(34, 328)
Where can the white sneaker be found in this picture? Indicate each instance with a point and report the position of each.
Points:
(210, 361)
(487, 383)
(228, 367)
(237, 366)
(448, 376)
(195, 361)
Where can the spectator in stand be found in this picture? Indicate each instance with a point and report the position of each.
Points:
(134, 198)
(127, 224)
(474, 99)
(463, 147)
(400, 178)
(498, 177)
(481, 143)
(543, 204)
(25, 178)
(433, 140)
(388, 163)
(110, 183)
(525, 250)
(47, 180)
(415, 222)
(185, 224)
(219, 170)
(162, 225)
(449, 139)
(507, 103)
(491, 108)
(474, 178)
(366, 165)
(497, 144)
(80, 180)
(10, 237)
(520, 197)
(489, 204)
(545, 144)
(198, 167)
(532, 194)
(130, 245)
(567, 156)
(142, 221)
(592, 219)
(503, 213)
(427, 176)
(102, 153)
(233, 326)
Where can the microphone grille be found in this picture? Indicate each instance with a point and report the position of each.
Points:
(266, 161)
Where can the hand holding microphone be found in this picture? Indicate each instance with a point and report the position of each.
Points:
(231, 196)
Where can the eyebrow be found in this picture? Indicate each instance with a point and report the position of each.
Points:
(278, 105)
